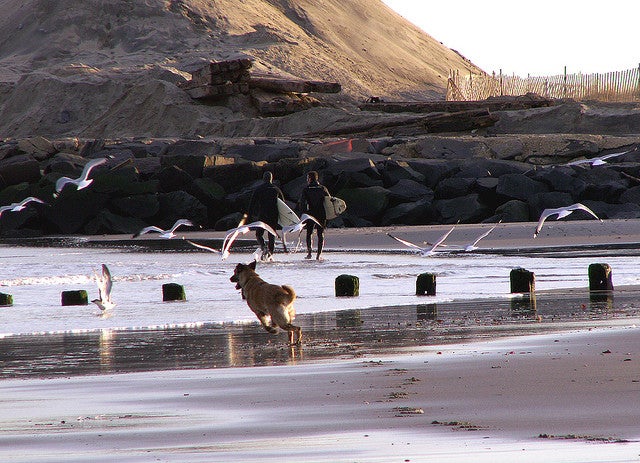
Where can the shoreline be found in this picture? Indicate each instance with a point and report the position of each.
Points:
(564, 396)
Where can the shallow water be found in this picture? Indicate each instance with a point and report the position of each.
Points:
(214, 327)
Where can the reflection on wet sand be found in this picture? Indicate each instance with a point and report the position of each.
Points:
(348, 333)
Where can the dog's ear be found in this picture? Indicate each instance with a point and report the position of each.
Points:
(252, 265)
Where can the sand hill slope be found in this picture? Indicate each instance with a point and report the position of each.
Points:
(79, 66)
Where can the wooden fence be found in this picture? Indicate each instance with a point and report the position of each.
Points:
(620, 86)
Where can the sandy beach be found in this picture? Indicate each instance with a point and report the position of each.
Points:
(568, 395)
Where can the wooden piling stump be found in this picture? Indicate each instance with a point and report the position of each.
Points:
(173, 292)
(6, 300)
(522, 281)
(426, 284)
(74, 297)
(600, 277)
(347, 285)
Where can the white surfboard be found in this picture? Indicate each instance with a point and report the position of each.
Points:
(334, 206)
(286, 216)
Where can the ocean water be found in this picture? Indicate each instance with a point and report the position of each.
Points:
(36, 277)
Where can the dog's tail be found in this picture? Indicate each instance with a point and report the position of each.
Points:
(291, 294)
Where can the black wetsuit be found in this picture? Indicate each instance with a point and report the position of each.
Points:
(264, 207)
(312, 202)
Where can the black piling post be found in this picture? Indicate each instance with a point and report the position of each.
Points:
(426, 284)
(522, 281)
(600, 277)
(6, 300)
(347, 285)
(75, 297)
(173, 292)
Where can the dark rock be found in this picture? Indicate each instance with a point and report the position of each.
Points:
(448, 148)
(486, 184)
(621, 211)
(193, 148)
(234, 177)
(18, 169)
(180, 205)
(478, 168)
(466, 209)
(513, 211)
(406, 190)
(560, 179)
(347, 286)
(434, 170)
(453, 187)
(632, 195)
(122, 182)
(107, 222)
(394, 171)
(367, 203)
(519, 186)
(270, 152)
(74, 297)
(38, 147)
(415, 213)
(141, 206)
(73, 209)
(173, 178)
(173, 292)
(228, 221)
(607, 190)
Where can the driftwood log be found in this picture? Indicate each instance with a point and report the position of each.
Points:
(429, 123)
(503, 103)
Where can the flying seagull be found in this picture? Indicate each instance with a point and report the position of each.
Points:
(300, 225)
(202, 246)
(597, 161)
(241, 230)
(472, 246)
(562, 212)
(424, 252)
(104, 290)
(81, 182)
(15, 207)
(170, 233)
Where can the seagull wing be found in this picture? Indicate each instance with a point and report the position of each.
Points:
(545, 214)
(202, 246)
(152, 228)
(61, 182)
(613, 155)
(232, 235)
(441, 239)
(260, 224)
(484, 235)
(405, 242)
(105, 293)
(90, 165)
(180, 223)
(583, 208)
(30, 199)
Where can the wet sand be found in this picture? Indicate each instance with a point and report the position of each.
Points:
(559, 392)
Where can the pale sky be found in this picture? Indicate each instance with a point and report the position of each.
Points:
(538, 37)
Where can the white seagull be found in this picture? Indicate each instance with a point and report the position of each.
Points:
(562, 212)
(300, 225)
(104, 290)
(597, 161)
(472, 246)
(81, 182)
(241, 230)
(428, 251)
(15, 207)
(170, 233)
(202, 246)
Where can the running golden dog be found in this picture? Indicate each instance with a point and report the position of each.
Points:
(272, 304)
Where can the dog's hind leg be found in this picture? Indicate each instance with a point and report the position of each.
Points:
(292, 329)
(265, 321)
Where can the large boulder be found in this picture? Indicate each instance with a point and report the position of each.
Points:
(513, 211)
(140, 206)
(434, 170)
(393, 171)
(264, 151)
(465, 209)
(519, 186)
(18, 169)
(233, 177)
(180, 205)
(453, 187)
(407, 190)
(414, 213)
(366, 203)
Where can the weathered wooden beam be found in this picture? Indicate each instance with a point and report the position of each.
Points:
(490, 104)
(290, 85)
(429, 123)
(214, 91)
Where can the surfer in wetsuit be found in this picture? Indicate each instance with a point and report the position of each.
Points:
(264, 206)
(312, 203)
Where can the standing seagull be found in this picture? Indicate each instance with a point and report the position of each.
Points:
(472, 246)
(428, 251)
(562, 212)
(170, 233)
(81, 182)
(241, 230)
(15, 207)
(104, 290)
